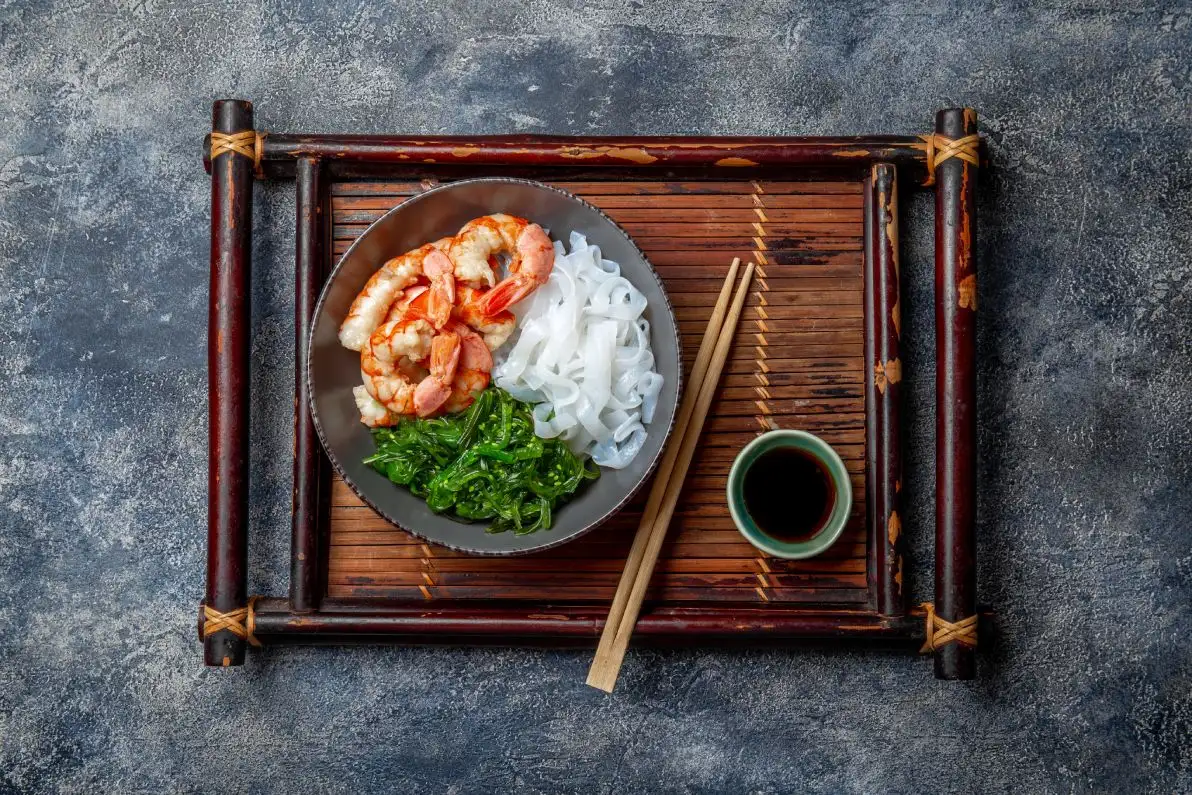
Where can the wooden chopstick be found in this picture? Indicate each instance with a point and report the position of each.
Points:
(698, 371)
(658, 490)
(664, 495)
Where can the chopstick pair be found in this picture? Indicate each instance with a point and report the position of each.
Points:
(664, 494)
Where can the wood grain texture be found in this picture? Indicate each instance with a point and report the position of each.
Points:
(798, 362)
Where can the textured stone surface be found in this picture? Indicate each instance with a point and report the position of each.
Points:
(1085, 239)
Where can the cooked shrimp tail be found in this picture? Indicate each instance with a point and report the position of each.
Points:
(508, 293)
(434, 390)
(475, 369)
(441, 272)
(494, 328)
(474, 353)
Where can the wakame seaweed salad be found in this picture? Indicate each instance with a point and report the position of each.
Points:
(483, 464)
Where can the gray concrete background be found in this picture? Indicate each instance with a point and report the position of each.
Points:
(1086, 350)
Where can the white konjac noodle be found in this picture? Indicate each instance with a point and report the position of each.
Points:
(582, 355)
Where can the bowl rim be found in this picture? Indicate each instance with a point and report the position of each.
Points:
(553, 543)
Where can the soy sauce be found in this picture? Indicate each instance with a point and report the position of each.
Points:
(789, 494)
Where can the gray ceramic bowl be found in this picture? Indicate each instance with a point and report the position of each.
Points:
(333, 371)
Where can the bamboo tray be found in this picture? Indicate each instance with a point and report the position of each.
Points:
(817, 349)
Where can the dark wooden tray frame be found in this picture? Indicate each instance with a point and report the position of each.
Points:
(882, 162)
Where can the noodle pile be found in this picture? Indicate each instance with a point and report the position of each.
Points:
(582, 355)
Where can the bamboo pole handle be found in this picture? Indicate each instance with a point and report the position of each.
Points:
(955, 390)
(609, 656)
(228, 351)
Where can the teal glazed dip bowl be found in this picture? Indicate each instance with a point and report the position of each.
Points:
(829, 462)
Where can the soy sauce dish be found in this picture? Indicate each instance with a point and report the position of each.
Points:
(789, 494)
(494, 366)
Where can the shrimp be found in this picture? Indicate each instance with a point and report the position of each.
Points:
(474, 351)
(528, 270)
(460, 365)
(475, 369)
(434, 390)
(482, 238)
(441, 271)
(384, 286)
(495, 328)
(396, 352)
(383, 366)
(460, 359)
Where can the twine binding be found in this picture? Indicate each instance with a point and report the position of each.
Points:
(241, 622)
(249, 143)
(941, 632)
(941, 148)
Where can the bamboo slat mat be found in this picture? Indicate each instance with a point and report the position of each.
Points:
(797, 363)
